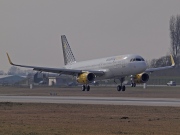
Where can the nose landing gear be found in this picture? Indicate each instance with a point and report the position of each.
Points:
(133, 84)
(85, 87)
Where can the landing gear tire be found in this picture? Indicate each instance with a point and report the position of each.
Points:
(119, 88)
(123, 88)
(88, 88)
(133, 84)
(83, 87)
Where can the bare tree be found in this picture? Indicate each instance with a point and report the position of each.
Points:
(161, 62)
(14, 71)
(17, 71)
(175, 37)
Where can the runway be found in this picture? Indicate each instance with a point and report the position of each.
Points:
(93, 100)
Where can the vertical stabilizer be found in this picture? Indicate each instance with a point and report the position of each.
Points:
(68, 55)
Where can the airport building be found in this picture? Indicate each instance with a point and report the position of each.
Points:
(51, 79)
(58, 81)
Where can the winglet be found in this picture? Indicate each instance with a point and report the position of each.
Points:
(9, 59)
(172, 61)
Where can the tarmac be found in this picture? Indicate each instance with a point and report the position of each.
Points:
(93, 100)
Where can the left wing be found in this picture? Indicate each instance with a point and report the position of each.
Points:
(58, 70)
(162, 68)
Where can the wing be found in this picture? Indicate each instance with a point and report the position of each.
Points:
(58, 70)
(162, 68)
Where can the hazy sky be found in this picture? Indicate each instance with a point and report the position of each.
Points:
(30, 30)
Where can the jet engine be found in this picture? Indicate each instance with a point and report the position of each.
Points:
(85, 78)
(141, 78)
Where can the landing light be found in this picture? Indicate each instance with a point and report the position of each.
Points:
(125, 58)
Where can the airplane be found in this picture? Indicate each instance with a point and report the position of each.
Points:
(115, 67)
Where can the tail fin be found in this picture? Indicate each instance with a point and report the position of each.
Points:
(68, 55)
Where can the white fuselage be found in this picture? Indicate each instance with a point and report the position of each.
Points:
(114, 67)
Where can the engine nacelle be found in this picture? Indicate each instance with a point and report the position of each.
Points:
(141, 78)
(85, 78)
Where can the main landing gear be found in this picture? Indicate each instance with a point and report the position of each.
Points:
(121, 86)
(85, 87)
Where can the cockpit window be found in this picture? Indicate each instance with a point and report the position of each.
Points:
(136, 59)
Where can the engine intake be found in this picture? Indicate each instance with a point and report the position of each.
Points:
(85, 78)
(141, 78)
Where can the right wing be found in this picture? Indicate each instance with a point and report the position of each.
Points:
(162, 68)
(58, 70)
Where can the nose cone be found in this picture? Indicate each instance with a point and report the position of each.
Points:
(141, 67)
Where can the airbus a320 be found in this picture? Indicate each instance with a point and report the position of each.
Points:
(115, 67)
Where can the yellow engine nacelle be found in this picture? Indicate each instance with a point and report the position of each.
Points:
(85, 78)
(141, 78)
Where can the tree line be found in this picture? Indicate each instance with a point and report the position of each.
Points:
(16, 71)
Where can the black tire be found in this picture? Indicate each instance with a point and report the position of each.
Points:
(83, 87)
(133, 84)
(123, 88)
(88, 88)
(119, 88)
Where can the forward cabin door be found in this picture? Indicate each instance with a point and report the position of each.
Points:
(119, 68)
